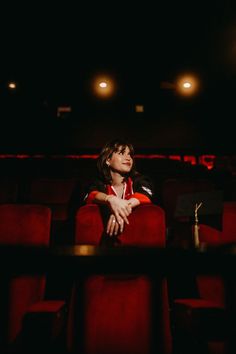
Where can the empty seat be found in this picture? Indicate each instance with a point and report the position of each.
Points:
(204, 319)
(27, 225)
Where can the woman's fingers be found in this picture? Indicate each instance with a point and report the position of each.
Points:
(121, 224)
(116, 230)
(129, 209)
(121, 217)
(112, 226)
(124, 217)
(121, 207)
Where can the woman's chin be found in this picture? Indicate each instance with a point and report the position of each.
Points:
(125, 171)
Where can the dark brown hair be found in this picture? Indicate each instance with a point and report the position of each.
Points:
(106, 153)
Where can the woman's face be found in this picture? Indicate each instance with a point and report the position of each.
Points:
(121, 160)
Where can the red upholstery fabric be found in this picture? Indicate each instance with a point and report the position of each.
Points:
(23, 225)
(212, 288)
(118, 308)
(89, 225)
(112, 305)
(23, 292)
(146, 227)
(209, 235)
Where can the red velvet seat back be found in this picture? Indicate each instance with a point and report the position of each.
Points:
(89, 226)
(118, 308)
(146, 228)
(23, 225)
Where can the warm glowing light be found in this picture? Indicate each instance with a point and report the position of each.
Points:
(85, 250)
(139, 108)
(12, 85)
(103, 84)
(103, 87)
(187, 85)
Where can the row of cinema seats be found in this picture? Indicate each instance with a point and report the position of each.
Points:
(117, 310)
(64, 194)
(55, 193)
(198, 323)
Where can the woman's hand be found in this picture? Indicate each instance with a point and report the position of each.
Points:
(113, 227)
(121, 208)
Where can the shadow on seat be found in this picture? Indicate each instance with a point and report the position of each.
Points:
(172, 189)
(8, 191)
(54, 193)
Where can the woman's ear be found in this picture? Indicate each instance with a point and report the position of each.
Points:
(108, 163)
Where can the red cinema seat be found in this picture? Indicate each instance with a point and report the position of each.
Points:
(203, 320)
(23, 225)
(118, 308)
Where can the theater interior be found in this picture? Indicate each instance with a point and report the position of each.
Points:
(162, 78)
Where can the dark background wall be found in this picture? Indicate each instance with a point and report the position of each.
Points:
(52, 55)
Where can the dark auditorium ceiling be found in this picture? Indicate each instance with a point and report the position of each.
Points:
(53, 54)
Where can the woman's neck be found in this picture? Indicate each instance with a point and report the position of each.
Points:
(117, 178)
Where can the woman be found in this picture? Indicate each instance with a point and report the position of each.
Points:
(119, 185)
